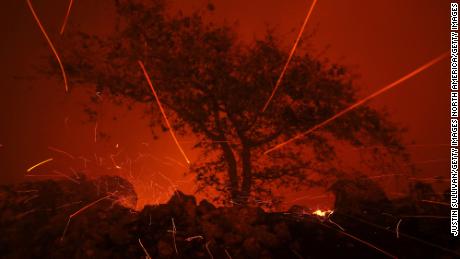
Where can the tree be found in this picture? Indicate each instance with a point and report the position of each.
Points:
(214, 87)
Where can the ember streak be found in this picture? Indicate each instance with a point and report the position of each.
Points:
(39, 164)
(66, 17)
(82, 210)
(362, 101)
(291, 54)
(147, 77)
(50, 43)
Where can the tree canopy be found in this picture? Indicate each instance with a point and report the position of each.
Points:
(214, 86)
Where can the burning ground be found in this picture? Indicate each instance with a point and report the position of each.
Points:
(93, 219)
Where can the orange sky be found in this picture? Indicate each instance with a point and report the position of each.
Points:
(380, 41)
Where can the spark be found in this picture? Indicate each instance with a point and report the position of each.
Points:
(207, 249)
(362, 101)
(145, 250)
(403, 234)
(167, 163)
(186, 180)
(407, 146)
(207, 141)
(188, 239)
(296, 253)
(175, 161)
(425, 217)
(85, 161)
(291, 54)
(163, 112)
(66, 176)
(361, 241)
(262, 201)
(428, 179)
(436, 202)
(236, 203)
(43, 175)
(307, 197)
(27, 191)
(332, 222)
(39, 164)
(383, 175)
(398, 193)
(428, 161)
(99, 95)
(173, 232)
(25, 213)
(114, 163)
(98, 159)
(95, 132)
(50, 43)
(74, 173)
(159, 187)
(228, 254)
(31, 198)
(172, 184)
(66, 17)
(81, 210)
(369, 244)
(60, 151)
(174, 235)
(69, 204)
(397, 228)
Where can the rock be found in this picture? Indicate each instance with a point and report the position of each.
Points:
(264, 237)
(34, 216)
(213, 231)
(205, 207)
(165, 249)
(282, 231)
(179, 198)
(251, 247)
(232, 239)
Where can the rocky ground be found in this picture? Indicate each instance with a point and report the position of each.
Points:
(91, 219)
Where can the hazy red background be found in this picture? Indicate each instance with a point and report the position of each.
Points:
(380, 40)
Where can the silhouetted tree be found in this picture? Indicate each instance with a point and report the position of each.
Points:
(214, 86)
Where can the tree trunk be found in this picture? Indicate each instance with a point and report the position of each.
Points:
(247, 174)
(232, 170)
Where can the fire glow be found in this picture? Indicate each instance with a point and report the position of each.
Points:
(322, 213)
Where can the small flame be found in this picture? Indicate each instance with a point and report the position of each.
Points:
(322, 213)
